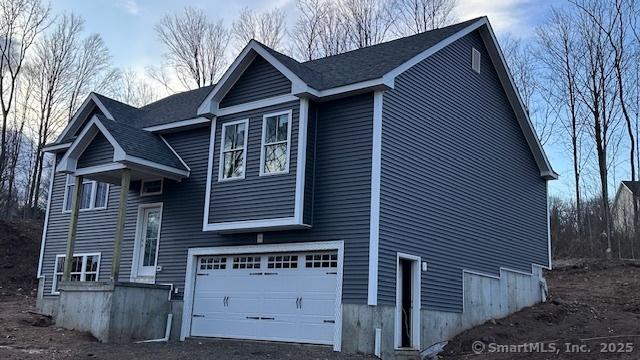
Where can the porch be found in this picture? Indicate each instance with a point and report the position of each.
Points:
(111, 310)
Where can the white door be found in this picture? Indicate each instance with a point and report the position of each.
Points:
(148, 239)
(281, 297)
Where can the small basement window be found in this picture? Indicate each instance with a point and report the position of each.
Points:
(151, 187)
(475, 60)
(85, 267)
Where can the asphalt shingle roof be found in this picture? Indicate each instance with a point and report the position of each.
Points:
(347, 68)
(634, 186)
(143, 144)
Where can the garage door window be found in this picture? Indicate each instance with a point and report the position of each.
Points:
(283, 262)
(213, 263)
(246, 262)
(321, 261)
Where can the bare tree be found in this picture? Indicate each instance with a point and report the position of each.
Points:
(64, 67)
(598, 93)
(417, 16)
(133, 90)
(195, 46)
(308, 28)
(267, 27)
(560, 52)
(368, 21)
(20, 23)
(334, 34)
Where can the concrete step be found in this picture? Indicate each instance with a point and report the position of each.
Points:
(407, 354)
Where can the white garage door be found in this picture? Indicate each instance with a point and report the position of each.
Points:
(280, 297)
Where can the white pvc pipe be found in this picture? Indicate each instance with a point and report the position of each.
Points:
(167, 332)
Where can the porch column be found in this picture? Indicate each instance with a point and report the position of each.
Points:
(122, 212)
(73, 228)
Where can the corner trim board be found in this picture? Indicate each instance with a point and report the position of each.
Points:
(46, 217)
(374, 219)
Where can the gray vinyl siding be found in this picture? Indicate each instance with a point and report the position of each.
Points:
(259, 81)
(99, 152)
(341, 206)
(459, 185)
(254, 197)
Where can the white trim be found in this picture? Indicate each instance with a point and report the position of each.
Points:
(374, 219)
(247, 55)
(549, 266)
(301, 164)
(56, 147)
(190, 275)
(178, 124)
(173, 173)
(271, 224)
(207, 193)
(416, 299)
(175, 153)
(138, 236)
(82, 272)
(253, 105)
(99, 104)
(99, 169)
(46, 217)
(142, 193)
(289, 113)
(245, 148)
(380, 83)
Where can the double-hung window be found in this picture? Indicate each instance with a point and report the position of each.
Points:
(276, 142)
(233, 150)
(84, 267)
(94, 195)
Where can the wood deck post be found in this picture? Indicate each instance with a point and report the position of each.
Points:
(122, 212)
(73, 228)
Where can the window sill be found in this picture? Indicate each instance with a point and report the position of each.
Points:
(85, 210)
(275, 173)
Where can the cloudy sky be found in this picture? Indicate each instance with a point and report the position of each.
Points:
(127, 28)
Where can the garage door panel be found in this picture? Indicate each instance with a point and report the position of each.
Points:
(295, 302)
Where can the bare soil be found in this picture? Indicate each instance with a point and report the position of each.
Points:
(19, 252)
(594, 307)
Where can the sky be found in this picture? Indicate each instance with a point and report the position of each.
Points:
(126, 26)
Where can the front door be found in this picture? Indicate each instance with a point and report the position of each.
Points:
(147, 244)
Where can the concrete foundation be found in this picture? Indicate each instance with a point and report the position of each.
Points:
(485, 298)
(119, 313)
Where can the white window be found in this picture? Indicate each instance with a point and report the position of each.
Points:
(94, 194)
(233, 150)
(213, 263)
(151, 187)
(276, 140)
(322, 260)
(85, 267)
(246, 262)
(475, 60)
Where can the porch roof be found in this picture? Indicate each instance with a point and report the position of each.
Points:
(137, 149)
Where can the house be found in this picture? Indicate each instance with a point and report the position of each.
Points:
(622, 209)
(377, 201)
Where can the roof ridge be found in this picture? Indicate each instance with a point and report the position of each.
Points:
(173, 95)
(112, 99)
(393, 40)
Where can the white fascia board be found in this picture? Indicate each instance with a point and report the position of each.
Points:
(175, 153)
(56, 147)
(74, 119)
(178, 124)
(210, 103)
(178, 173)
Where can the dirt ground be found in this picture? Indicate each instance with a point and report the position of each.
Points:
(594, 307)
(20, 339)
